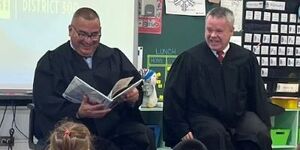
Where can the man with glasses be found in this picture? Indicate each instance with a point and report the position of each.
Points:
(100, 66)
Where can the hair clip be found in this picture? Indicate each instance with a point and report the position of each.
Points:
(67, 133)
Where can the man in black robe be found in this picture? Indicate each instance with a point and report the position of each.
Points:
(100, 66)
(214, 93)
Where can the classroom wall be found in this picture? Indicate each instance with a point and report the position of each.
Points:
(18, 118)
(28, 28)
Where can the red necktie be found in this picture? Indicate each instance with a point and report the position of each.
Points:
(220, 55)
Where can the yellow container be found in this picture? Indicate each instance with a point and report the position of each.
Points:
(286, 102)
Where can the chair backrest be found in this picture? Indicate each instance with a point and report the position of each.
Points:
(193, 144)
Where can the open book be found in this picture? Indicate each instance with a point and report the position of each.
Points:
(78, 88)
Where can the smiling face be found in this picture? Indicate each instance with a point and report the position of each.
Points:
(218, 32)
(85, 35)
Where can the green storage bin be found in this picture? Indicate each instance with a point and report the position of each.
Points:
(280, 136)
(299, 136)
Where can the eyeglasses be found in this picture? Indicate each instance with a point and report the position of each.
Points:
(84, 35)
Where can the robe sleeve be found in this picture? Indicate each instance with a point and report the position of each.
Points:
(48, 88)
(130, 70)
(175, 100)
(258, 93)
(131, 111)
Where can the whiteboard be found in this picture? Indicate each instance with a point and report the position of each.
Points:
(28, 28)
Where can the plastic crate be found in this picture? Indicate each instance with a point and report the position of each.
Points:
(280, 136)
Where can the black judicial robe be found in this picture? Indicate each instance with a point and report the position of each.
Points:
(54, 72)
(198, 84)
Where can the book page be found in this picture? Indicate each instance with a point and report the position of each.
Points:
(120, 85)
(78, 88)
(117, 99)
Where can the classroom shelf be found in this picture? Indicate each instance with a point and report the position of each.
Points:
(289, 120)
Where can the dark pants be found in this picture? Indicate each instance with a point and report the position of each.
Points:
(129, 136)
(249, 134)
(41, 145)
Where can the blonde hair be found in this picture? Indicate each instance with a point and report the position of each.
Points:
(69, 135)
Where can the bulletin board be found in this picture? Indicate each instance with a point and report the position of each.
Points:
(178, 33)
(271, 29)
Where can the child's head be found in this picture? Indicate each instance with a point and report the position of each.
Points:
(69, 135)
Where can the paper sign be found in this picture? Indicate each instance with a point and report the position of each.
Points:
(273, 50)
(267, 16)
(282, 61)
(297, 64)
(252, 4)
(287, 87)
(275, 5)
(273, 61)
(264, 72)
(284, 17)
(290, 62)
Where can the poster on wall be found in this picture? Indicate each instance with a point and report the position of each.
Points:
(186, 7)
(150, 16)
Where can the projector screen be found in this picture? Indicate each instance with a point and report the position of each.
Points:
(28, 28)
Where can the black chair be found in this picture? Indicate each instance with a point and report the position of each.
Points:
(193, 144)
(34, 144)
(31, 143)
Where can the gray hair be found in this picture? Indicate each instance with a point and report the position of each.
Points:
(222, 12)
